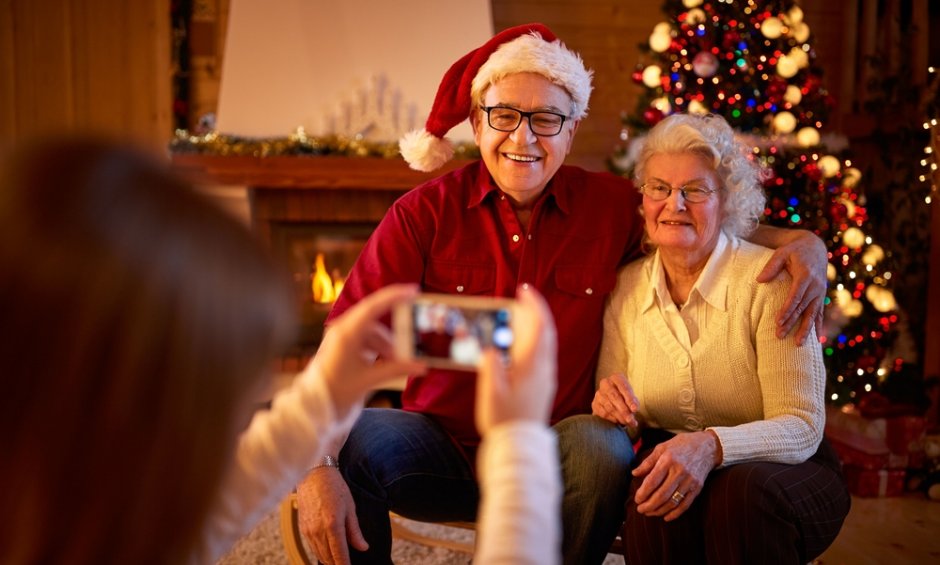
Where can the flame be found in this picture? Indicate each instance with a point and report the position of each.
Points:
(321, 284)
(338, 283)
(325, 289)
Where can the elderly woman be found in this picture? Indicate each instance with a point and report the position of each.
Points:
(733, 467)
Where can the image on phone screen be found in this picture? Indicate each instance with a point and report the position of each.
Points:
(457, 335)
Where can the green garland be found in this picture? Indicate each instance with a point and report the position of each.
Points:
(296, 144)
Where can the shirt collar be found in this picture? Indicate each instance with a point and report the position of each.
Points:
(557, 188)
(711, 285)
(657, 286)
(484, 186)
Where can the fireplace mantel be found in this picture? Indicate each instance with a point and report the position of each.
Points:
(288, 189)
(304, 172)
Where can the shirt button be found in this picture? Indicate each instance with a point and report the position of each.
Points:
(460, 288)
(685, 395)
(589, 291)
(684, 362)
(525, 286)
(530, 237)
(515, 238)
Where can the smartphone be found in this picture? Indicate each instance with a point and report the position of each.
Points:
(451, 331)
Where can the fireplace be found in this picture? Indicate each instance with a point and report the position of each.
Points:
(319, 256)
(311, 211)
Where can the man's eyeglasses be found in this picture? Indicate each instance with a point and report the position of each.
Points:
(504, 118)
(661, 191)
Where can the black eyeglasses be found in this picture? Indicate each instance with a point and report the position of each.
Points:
(542, 123)
(658, 190)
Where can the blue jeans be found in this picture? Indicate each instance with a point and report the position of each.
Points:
(405, 462)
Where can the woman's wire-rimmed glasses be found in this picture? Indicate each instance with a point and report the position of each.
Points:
(690, 193)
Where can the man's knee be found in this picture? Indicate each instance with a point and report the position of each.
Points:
(593, 449)
(375, 450)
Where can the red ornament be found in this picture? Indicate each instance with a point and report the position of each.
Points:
(730, 40)
(837, 212)
(812, 171)
(637, 76)
(652, 116)
(705, 64)
(812, 84)
(775, 90)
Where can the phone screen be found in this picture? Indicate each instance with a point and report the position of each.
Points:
(454, 335)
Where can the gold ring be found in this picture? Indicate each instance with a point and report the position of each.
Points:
(677, 498)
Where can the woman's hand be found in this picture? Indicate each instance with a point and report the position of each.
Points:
(615, 401)
(675, 472)
(346, 359)
(524, 390)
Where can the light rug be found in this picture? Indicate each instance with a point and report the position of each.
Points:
(263, 546)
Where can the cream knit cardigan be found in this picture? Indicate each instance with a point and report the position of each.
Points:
(761, 395)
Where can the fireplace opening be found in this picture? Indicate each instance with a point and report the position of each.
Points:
(319, 256)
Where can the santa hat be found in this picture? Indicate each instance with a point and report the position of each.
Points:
(530, 48)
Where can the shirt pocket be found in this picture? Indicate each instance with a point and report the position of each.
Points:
(583, 281)
(453, 277)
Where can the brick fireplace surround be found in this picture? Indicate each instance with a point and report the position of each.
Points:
(306, 192)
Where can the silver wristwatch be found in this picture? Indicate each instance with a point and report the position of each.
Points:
(327, 461)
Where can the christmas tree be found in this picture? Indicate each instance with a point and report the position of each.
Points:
(753, 62)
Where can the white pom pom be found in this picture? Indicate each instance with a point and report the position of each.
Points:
(425, 152)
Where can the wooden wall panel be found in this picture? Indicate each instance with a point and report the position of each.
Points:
(830, 38)
(42, 91)
(7, 70)
(86, 65)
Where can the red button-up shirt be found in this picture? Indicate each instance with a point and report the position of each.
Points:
(458, 234)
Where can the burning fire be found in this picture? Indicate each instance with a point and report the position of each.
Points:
(325, 288)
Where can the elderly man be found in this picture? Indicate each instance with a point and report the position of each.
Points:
(518, 216)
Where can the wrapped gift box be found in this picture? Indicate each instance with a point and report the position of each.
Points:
(874, 482)
(870, 458)
(894, 442)
(905, 434)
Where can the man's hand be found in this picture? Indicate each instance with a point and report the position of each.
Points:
(327, 516)
(615, 401)
(525, 389)
(805, 258)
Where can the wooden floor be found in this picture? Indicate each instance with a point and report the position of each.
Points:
(889, 531)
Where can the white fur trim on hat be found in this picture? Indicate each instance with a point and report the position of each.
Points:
(531, 54)
(425, 152)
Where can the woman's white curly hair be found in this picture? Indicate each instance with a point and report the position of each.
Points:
(710, 136)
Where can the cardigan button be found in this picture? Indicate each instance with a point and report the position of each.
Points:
(460, 288)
